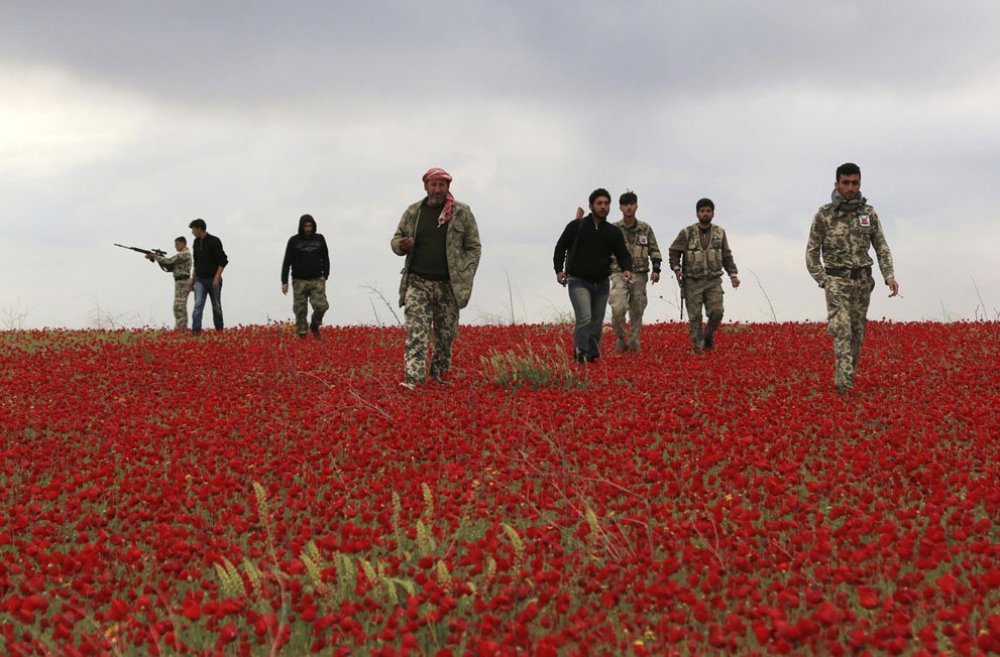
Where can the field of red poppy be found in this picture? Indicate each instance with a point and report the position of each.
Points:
(250, 493)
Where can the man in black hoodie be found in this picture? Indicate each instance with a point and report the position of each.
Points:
(309, 259)
(582, 261)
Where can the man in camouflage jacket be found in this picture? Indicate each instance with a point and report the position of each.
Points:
(631, 296)
(698, 257)
(440, 239)
(179, 265)
(837, 258)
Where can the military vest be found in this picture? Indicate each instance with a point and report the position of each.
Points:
(637, 242)
(700, 262)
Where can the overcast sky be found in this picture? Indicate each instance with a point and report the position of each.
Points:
(123, 121)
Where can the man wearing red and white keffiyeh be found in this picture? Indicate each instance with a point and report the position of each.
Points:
(440, 240)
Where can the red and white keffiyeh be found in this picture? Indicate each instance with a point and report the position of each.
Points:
(437, 173)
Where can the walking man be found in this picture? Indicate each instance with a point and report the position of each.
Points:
(582, 260)
(631, 296)
(837, 257)
(179, 265)
(209, 261)
(440, 239)
(698, 257)
(309, 260)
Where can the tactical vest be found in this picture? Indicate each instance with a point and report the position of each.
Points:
(637, 243)
(701, 263)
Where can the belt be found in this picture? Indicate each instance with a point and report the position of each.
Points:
(857, 273)
(181, 278)
(433, 279)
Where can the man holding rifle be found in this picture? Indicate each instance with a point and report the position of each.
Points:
(180, 266)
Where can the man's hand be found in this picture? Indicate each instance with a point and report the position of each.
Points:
(655, 277)
(679, 275)
(150, 257)
(561, 278)
(627, 276)
(284, 288)
(405, 244)
(735, 280)
(893, 286)
(217, 281)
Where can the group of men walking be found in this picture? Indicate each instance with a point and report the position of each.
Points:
(602, 264)
(598, 262)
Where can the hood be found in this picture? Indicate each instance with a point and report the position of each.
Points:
(302, 222)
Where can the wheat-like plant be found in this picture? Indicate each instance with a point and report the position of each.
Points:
(256, 577)
(515, 540)
(428, 501)
(230, 582)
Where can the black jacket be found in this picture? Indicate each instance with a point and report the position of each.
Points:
(208, 256)
(586, 249)
(306, 255)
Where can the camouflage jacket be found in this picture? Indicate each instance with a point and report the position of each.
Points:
(462, 247)
(641, 244)
(179, 264)
(841, 237)
(698, 261)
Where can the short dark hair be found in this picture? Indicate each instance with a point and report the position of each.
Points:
(848, 169)
(181, 239)
(628, 197)
(307, 217)
(198, 223)
(598, 193)
(704, 203)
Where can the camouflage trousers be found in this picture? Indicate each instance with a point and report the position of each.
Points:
(430, 307)
(847, 313)
(705, 292)
(305, 291)
(182, 288)
(628, 298)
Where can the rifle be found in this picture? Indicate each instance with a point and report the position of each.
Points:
(147, 252)
(680, 283)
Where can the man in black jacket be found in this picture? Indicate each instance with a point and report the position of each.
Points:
(582, 261)
(206, 281)
(309, 259)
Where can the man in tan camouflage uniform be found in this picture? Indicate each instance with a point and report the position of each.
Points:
(837, 258)
(440, 239)
(631, 297)
(698, 256)
(180, 266)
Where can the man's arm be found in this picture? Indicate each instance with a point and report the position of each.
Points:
(563, 244)
(814, 249)
(222, 259)
(883, 255)
(402, 241)
(621, 253)
(472, 246)
(728, 262)
(655, 257)
(166, 263)
(286, 265)
(325, 253)
(675, 251)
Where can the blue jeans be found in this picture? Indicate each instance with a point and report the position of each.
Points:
(203, 288)
(590, 301)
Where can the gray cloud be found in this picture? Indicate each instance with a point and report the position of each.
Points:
(126, 120)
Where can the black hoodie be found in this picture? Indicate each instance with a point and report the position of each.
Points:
(306, 255)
